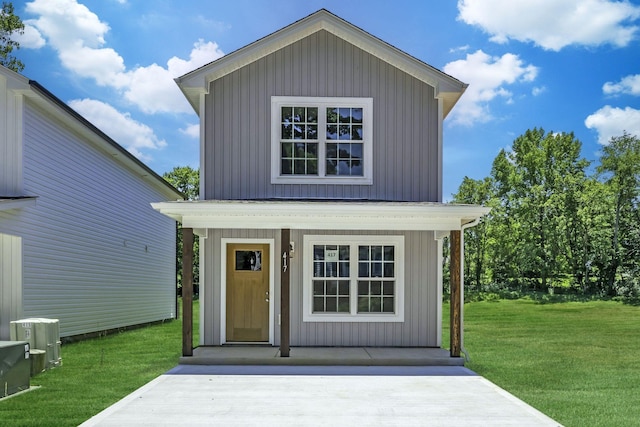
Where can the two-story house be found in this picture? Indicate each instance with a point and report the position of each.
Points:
(321, 219)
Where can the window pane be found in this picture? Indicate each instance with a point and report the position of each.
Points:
(345, 115)
(318, 287)
(299, 114)
(356, 133)
(388, 305)
(389, 253)
(376, 288)
(287, 167)
(287, 114)
(376, 269)
(343, 287)
(312, 167)
(299, 167)
(287, 149)
(331, 167)
(363, 288)
(363, 253)
(363, 269)
(332, 287)
(312, 131)
(345, 132)
(387, 288)
(343, 305)
(376, 253)
(375, 304)
(318, 304)
(363, 304)
(331, 305)
(318, 269)
(356, 115)
(388, 269)
(332, 132)
(332, 115)
(287, 131)
(312, 115)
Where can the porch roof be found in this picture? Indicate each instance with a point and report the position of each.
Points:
(322, 214)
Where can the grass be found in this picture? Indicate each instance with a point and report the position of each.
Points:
(95, 374)
(575, 361)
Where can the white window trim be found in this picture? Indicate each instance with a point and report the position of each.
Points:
(353, 316)
(322, 102)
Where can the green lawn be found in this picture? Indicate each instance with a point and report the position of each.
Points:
(95, 374)
(576, 362)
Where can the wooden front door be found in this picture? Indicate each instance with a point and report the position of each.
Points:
(247, 292)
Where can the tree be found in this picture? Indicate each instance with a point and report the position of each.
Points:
(477, 192)
(187, 181)
(10, 23)
(620, 166)
(538, 183)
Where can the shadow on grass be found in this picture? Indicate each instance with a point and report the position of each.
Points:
(543, 297)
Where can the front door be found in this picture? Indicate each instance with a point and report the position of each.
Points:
(247, 292)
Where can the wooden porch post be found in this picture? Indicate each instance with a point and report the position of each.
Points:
(284, 293)
(187, 291)
(455, 324)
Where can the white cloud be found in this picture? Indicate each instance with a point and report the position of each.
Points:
(629, 85)
(487, 77)
(553, 24)
(609, 122)
(192, 131)
(152, 88)
(78, 35)
(30, 38)
(129, 133)
(538, 90)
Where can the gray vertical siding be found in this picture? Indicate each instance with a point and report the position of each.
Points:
(237, 138)
(421, 324)
(10, 282)
(96, 256)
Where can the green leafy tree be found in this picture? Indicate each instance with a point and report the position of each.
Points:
(538, 184)
(10, 24)
(476, 192)
(186, 180)
(620, 168)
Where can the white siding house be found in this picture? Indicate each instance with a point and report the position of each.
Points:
(78, 239)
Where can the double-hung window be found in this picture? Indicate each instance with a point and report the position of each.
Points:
(353, 279)
(321, 140)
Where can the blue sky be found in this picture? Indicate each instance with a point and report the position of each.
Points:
(561, 65)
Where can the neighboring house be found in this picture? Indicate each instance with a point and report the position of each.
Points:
(321, 219)
(78, 239)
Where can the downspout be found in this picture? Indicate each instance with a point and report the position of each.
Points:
(462, 229)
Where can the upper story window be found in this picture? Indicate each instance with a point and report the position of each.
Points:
(321, 140)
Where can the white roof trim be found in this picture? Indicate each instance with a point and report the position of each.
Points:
(197, 82)
(321, 215)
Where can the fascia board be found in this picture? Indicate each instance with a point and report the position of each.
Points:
(325, 216)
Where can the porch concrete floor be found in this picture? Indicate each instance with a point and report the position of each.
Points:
(321, 356)
(259, 395)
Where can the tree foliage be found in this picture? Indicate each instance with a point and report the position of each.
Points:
(10, 24)
(552, 224)
(187, 181)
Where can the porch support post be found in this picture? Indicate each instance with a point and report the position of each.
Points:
(284, 292)
(187, 291)
(455, 324)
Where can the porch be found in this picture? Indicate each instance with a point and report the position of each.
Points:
(321, 356)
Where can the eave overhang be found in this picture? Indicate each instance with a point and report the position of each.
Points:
(7, 203)
(197, 82)
(321, 215)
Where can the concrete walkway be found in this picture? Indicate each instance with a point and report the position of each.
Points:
(276, 395)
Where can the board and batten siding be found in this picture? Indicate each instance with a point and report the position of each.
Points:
(421, 312)
(237, 153)
(96, 256)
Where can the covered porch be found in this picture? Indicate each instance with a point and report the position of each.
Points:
(285, 215)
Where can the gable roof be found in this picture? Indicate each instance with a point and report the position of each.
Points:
(195, 83)
(72, 119)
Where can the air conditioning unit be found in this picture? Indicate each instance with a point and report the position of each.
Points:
(41, 334)
(15, 367)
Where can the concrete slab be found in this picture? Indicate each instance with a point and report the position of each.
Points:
(314, 356)
(311, 396)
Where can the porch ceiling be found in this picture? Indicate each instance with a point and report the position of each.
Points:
(321, 215)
